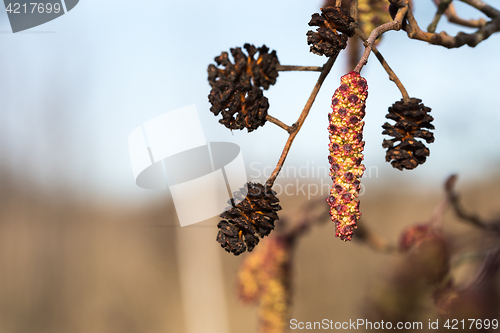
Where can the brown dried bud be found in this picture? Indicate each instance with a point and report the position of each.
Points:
(250, 219)
(236, 87)
(333, 32)
(411, 120)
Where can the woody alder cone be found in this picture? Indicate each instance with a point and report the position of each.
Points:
(236, 87)
(334, 30)
(412, 119)
(251, 218)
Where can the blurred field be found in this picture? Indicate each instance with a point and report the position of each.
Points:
(73, 266)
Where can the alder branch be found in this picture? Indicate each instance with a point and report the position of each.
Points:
(443, 39)
(392, 76)
(315, 212)
(279, 123)
(442, 7)
(452, 16)
(310, 216)
(462, 214)
(295, 128)
(283, 68)
(393, 25)
(483, 7)
(374, 241)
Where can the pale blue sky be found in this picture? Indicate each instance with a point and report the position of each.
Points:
(73, 89)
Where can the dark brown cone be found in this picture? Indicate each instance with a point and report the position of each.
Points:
(412, 119)
(253, 217)
(236, 87)
(240, 107)
(334, 30)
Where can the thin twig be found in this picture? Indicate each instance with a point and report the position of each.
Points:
(485, 8)
(462, 214)
(283, 68)
(393, 25)
(437, 217)
(392, 76)
(442, 7)
(452, 16)
(448, 41)
(295, 128)
(374, 241)
(310, 216)
(279, 123)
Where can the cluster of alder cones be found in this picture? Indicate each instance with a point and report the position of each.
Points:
(237, 93)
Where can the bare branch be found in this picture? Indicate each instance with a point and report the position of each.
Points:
(374, 241)
(448, 41)
(282, 68)
(460, 211)
(279, 123)
(393, 25)
(310, 215)
(295, 128)
(392, 76)
(453, 17)
(442, 7)
(485, 8)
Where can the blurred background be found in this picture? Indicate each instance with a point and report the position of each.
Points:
(82, 248)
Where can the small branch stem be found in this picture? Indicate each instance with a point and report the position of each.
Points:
(460, 39)
(461, 213)
(451, 15)
(311, 215)
(295, 128)
(282, 68)
(372, 240)
(442, 7)
(393, 25)
(392, 76)
(279, 123)
(315, 212)
(483, 7)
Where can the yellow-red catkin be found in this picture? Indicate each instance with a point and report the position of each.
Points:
(346, 152)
